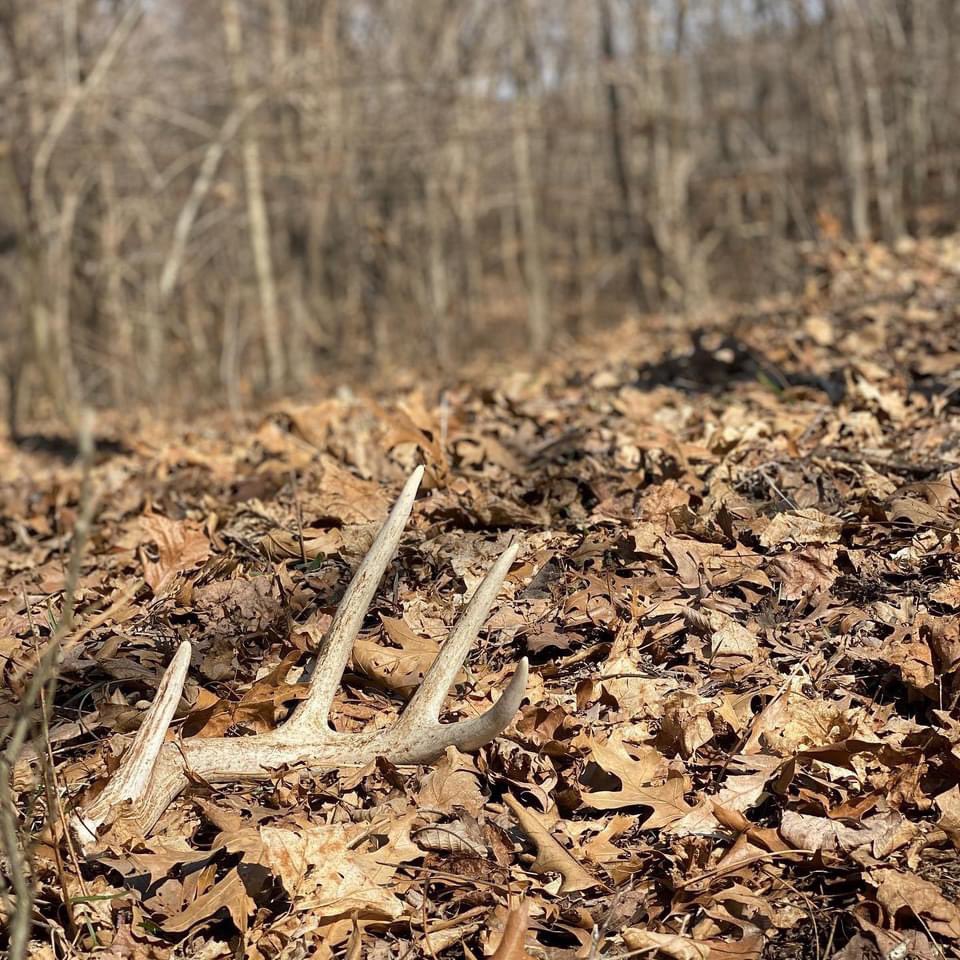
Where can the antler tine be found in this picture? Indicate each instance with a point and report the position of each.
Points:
(131, 779)
(424, 707)
(338, 642)
(476, 731)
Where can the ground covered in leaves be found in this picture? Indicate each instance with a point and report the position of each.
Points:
(738, 586)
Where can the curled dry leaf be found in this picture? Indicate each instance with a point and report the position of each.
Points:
(885, 834)
(666, 944)
(551, 856)
(905, 895)
(450, 838)
(678, 947)
(511, 946)
(452, 784)
(228, 893)
(801, 526)
(325, 866)
(180, 545)
(949, 822)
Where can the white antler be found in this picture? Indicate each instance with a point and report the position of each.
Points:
(152, 773)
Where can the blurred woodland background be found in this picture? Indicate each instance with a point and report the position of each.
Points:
(227, 198)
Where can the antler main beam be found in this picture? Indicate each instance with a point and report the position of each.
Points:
(153, 773)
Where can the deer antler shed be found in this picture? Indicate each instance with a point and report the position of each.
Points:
(152, 772)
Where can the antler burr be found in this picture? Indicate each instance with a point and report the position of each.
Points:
(152, 772)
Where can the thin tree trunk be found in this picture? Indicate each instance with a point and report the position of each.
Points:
(626, 238)
(538, 319)
(259, 224)
(854, 149)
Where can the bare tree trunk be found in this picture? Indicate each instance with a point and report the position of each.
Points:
(538, 318)
(468, 202)
(626, 235)
(854, 155)
(888, 192)
(437, 265)
(259, 225)
(115, 308)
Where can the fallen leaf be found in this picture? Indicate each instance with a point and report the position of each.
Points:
(551, 856)
(801, 526)
(401, 667)
(180, 545)
(230, 893)
(637, 787)
(511, 946)
(906, 893)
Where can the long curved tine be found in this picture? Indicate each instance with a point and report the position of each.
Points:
(338, 642)
(131, 779)
(424, 707)
(475, 731)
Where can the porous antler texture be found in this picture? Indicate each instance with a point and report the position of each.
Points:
(153, 772)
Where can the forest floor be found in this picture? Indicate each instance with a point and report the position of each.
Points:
(738, 585)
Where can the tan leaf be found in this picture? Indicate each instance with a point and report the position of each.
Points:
(948, 594)
(915, 662)
(322, 868)
(551, 856)
(452, 784)
(668, 944)
(793, 721)
(637, 788)
(340, 495)
(180, 544)
(806, 832)
(949, 822)
(906, 892)
(514, 934)
(730, 638)
(686, 948)
(805, 572)
(686, 722)
(229, 892)
(401, 667)
(801, 526)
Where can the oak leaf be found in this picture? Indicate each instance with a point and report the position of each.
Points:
(637, 777)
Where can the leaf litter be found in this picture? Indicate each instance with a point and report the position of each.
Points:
(738, 583)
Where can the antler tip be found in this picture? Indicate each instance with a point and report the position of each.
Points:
(416, 477)
(184, 652)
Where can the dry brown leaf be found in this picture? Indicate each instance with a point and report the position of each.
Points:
(230, 892)
(667, 944)
(686, 724)
(949, 822)
(906, 893)
(731, 639)
(180, 545)
(805, 572)
(801, 526)
(948, 594)
(637, 787)
(793, 721)
(452, 784)
(401, 667)
(511, 946)
(322, 868)
(551, 856)
(339, 495)
(883, 833)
